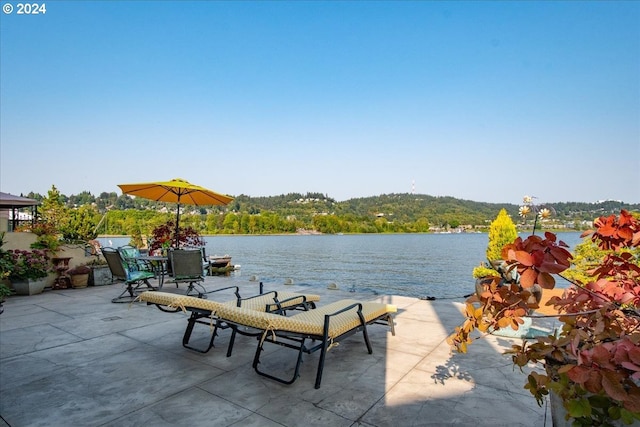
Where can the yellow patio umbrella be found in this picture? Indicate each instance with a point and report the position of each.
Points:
(176, 191)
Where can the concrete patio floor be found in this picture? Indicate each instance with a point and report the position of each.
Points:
(72, 358)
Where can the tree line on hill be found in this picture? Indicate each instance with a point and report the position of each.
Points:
(113, 214)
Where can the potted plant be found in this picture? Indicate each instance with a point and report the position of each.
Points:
(501, 232)
(6, 262)
(5, 291)
(79, 276)
(163, 237)
(100, 273)
(29, 271)
(593, 364)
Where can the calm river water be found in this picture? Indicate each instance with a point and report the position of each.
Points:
(417, 265)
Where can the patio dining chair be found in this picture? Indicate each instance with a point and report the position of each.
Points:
(130, 255)
(186, 267)
(131, 277)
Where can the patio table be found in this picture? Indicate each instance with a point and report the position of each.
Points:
(158, 264)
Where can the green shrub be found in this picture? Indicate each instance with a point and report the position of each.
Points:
(501, 232)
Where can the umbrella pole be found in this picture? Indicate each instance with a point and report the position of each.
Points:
(178, 226)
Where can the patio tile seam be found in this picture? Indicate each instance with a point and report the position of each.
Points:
(35, 350)
(148, 406)
(382, 398)
(234, 403)
(317, 406)
(174, 394)
(396, 383)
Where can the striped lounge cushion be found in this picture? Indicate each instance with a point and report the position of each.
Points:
(158, 297)
(259, 303)
(255, 304)
(308, 322)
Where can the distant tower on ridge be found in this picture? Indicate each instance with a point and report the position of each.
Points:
(413, 186)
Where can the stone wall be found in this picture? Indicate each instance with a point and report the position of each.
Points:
(23, 241)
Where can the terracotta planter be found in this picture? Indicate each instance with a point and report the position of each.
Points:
(79, 280)
(29, 286)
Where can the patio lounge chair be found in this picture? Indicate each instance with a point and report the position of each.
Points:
(200, 308)
(132, 278)
(324, 327)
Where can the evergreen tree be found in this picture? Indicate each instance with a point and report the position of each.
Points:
(81, 224)
(53, 217)
(501, 231)
(53, 211)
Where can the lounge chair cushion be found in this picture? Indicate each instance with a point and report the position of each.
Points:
(255, 304)
(160, 298)
(307, 322)
(286, 299)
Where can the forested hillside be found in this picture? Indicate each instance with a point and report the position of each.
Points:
(289, 213)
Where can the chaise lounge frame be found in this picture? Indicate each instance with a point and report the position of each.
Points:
(257, 316)
(200, 308)
(324, 327)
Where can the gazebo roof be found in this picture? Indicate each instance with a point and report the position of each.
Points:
(9, 201)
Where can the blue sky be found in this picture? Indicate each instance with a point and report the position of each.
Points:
(485, 101)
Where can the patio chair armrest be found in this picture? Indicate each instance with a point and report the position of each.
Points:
(134, 264)
(327, 317)
(236, 291)
(239, 301)
(277, 306)
(347, 308)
